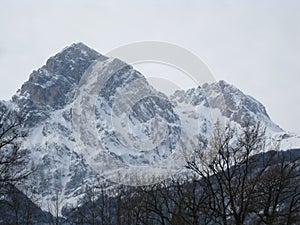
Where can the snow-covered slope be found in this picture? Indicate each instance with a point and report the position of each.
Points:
(63, 170)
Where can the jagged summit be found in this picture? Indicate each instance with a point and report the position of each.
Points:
(78, 45)
(243, 108)
(232, 103)
(53, 84)
(71, 55)
(233, 100)
(72, 61)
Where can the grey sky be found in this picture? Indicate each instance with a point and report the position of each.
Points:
(254, 45)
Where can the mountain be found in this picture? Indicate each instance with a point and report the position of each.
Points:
(136, 126)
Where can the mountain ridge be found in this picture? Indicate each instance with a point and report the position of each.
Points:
(49, 94)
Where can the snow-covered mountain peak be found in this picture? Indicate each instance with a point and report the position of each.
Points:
(49, 97)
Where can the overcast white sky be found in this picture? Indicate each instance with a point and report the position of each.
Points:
(254, 45)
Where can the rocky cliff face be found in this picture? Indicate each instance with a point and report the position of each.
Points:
(230, 102)
(54, 84)
(63, 170)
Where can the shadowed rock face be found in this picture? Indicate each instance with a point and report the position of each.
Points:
(240, 107)
(231, 102)
(53, 85)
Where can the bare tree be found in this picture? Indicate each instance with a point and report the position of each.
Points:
(12, 163)
(277, 199)
(54, 206)
(11, 155)
(239, 182)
